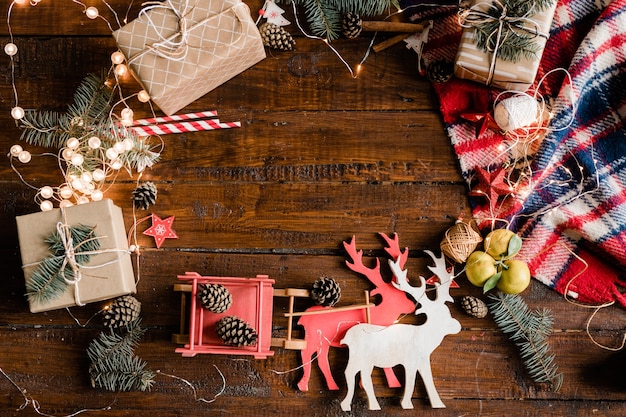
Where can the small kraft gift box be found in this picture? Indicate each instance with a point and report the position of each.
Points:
(75, 255)
(179, 50)
(502, 41)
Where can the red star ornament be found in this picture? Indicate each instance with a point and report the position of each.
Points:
(483, 121)
(490, 185)
(161, 230)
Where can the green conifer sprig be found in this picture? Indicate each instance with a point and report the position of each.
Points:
(47, 282)
(88, 115)
(325, 16)
(517, 38)
(113, 363)
(529, 330)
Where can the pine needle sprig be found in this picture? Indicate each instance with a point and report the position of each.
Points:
(113, 363)
(325, 16)
(516, 40)
(48, 281)
(529, 330)
(90, 107)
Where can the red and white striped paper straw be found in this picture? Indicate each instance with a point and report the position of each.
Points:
(182, 127)
(175, 118)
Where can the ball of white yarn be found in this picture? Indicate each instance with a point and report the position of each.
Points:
(516, 112)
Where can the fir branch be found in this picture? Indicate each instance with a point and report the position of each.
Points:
(112, 344)
(48, 281)
(113, 363)
(52, 129)
(325, 16)
(516, 39)
(529, 330)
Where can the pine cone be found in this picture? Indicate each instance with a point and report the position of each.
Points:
(236, 332)
(215, 297)
(276, 37)
(474, 306)
(145, 195)
(439, 71)
(351, 25)
(326, 292)
(122, 312)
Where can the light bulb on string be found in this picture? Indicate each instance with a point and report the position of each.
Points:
(117, 57)
(10, 49)
(67, 154)
(97, 195)
(24, 157)
(143, 96)
(86, 177)
(17, 113)
(117, 164)
(15, 150)
(65, 203)
(65, 192)
(127, 113)
(119, 147)
(77, 159)
(128, 144)
(94, 142)
(72, 143)
(46, 205)
(121, 70)
(91, 12)
(111, 153)
(98, 174)
(46, 192)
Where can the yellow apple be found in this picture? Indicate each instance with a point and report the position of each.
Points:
(480, 266)
(515, 277)
(502, 243)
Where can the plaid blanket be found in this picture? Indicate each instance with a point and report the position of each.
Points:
(572, 216)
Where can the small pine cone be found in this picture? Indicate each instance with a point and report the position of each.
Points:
(235, 332)
(439, 71)
(215, 297)
(351, 25)
(123, 311)
(276, 37)
(326, 292)
(145, 195)
(474, 306)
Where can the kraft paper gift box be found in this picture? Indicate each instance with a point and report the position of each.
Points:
(473, 63)
(180, 50)
(109, 272)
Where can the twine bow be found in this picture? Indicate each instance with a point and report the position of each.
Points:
(173, 46)
(507, 26)
(69, 258)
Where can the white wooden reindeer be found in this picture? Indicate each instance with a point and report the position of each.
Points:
(403, 344)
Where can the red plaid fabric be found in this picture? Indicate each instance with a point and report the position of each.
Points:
(573, 217)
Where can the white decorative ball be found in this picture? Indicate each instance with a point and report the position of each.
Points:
(143, 96)
(92, 12)
(94, 142)
(117, 57)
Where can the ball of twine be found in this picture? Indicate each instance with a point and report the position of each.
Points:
(460, 241)
(517, 112)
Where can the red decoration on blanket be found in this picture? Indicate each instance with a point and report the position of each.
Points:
(490, 185)
(161, 229)
(483, 121)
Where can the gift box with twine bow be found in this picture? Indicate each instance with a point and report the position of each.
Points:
(72, 271)
(502, 41)
(179, 50)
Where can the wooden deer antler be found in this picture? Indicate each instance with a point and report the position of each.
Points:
(403, 283)
(445, 277)
(393, 249)
(372, 274)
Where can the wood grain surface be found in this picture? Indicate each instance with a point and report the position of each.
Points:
(320, 157)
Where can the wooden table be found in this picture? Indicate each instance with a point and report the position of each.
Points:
(320, 157)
